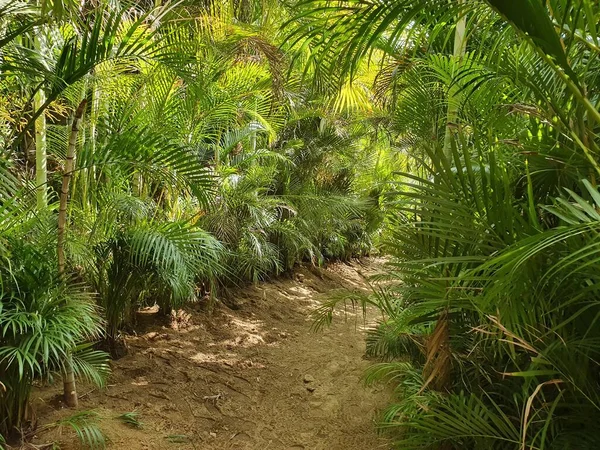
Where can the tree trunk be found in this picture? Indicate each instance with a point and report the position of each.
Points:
(438, 365)
(439, 355)
(41, 174)
(69, 388)
(460, 46)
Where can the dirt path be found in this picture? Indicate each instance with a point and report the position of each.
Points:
(255, 377)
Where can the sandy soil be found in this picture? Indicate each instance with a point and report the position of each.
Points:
(253, 377)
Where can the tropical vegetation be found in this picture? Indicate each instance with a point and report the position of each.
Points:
(155, 153)
(490, 333)
(158, 153)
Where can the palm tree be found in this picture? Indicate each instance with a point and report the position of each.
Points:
(199, 163)
(495, 237)
(44, 318)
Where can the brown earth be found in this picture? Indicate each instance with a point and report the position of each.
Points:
(254, 377)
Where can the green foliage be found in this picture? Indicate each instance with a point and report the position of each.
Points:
(489, 301)
(85, 426)
(201, 162)
(131, 419)
(42, 318)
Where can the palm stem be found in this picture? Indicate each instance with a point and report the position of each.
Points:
(70, 392)
(41, 157)
(460, 45)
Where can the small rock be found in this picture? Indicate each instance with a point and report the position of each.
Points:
(309, 378)
(300, 277)
(311, 388)
(212, 434)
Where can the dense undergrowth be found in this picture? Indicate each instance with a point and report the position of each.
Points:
(157, 155)
(490, 298)
(219, 143)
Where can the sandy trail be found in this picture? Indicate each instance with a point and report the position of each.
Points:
(255, 377)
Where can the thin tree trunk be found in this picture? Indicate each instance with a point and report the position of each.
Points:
(70, 396)
(96, 94)
(439, 362)
(460, 46)
(41, 157)
(69, 387)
